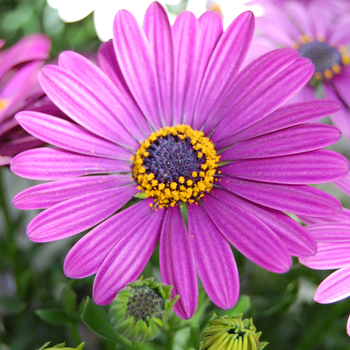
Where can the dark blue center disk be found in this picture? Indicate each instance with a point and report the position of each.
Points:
(322, 55)
(171, 157)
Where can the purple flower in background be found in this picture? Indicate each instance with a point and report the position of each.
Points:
(333, 244)
(309, 29)
(169, 114)
(334, 7)
(20, 89)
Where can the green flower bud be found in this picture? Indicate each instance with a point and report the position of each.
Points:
(142, 308)
(230, 333)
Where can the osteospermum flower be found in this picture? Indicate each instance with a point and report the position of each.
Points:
(315, 36)
(104, 11)
(333, 244)
(168, 116)
(20, 89)
(335, 7)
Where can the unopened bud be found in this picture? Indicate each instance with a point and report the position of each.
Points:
(230, 333)
(142, 308)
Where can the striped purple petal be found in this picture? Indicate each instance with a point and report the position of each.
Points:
(217, 268)
(294, 237)
(334, 288)
(83, 103)
(48, 194)
(330, 255)
(56, 164)
(69, 136)
(127, 259)
(297, 199)
(297, 139)
(177, 264)
(87, 255)
(312, 167)
(77, 214)
(247, 233)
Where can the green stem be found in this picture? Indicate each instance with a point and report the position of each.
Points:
(4, 207)
(75, 334)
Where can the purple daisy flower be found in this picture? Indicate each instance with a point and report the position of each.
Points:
(168, 114)
(335, 7)
(309, 29)
(20, 89)
(333, 244)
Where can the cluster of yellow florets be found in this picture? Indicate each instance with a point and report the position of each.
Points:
(3, 103)
(166, 194)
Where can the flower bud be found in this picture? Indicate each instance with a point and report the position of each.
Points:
(230, 333)
(142, 308)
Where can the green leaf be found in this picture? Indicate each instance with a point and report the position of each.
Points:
(243, 304)
(99, 322)
(69, 300)
(55, 316)
(12, 304)
(45, 345)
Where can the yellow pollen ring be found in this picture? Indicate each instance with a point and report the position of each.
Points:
(3, 103)
(190, 190)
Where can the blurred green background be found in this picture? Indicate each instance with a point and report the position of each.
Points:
(39, 304)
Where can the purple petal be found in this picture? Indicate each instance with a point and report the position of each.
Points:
(334, 288)
(340, 119)
(341, 83)
(32, 47)
(217, 271)
(265, 99)
(19, 145)
(56, 164)
(342, 216)
(136, 61)
(277, 28)
(330, 232)
(85, 105)
(176, 261)
(77, 214)
(224, 64)
(159, 34)
(294, 237)
(127, 259)
(127, 113)
(69, 136)
(255, 74)
(305, 168)
(210, 31)
(87, 255)
(298, 13)
(48, 194)
(107, 61)
(344, 184)
(186, 49)
(21, 90)
(247, 233)
(285, 117)
(297, 139)
(304, 200)
(330, 255)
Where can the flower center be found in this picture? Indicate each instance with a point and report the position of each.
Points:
(145, 302)
(328, 60)
(175, 164)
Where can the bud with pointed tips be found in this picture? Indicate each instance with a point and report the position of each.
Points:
(227, 332)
